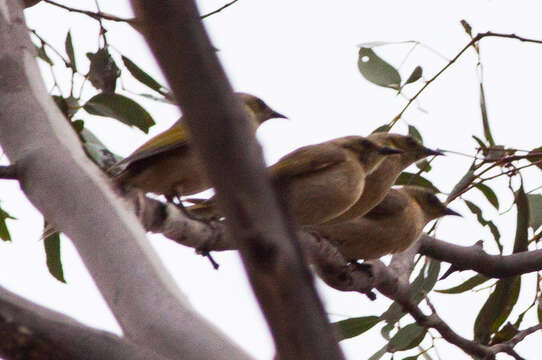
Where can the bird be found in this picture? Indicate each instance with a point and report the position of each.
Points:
(379, 182)
(390, 227)
(320, 181)
(168, 165)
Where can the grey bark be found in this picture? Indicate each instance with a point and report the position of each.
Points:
(73, 195)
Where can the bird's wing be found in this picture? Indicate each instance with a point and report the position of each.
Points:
(173, 138)
(307, 159)
(393, 203)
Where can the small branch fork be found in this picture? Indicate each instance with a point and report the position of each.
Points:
(105, 16)
(472, 42)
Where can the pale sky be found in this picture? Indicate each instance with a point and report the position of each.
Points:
(301, 58)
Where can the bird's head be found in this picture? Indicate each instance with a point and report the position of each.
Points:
(412, 149)
(430, 204)
(369, 152)
(260, 111)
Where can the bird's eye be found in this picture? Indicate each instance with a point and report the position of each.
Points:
(411, 142)
(432, 199)
(260, 104)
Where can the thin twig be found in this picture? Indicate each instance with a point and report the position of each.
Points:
(474, 40)
(218, 10)
(97, 16)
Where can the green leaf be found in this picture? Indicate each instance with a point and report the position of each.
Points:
(383, 128)
(417, 291)
(407, 178)
(413, 131)
(68, 44)
(521, 241)
(143, 77)
(535, 205)
(485, 120)
(78, 125)
(103, 72)
(432, 276)
(466, 27)
(480, 143)
(352, 327)
(121, 108)
(489, 194)
(462, 184)
(53, 258)
(407, 338)
(4, 232)
(42, 54)
(415, 76)
(492, 227)
(377, 355)
(376, 70)
(539, 309)
(507, 332)
(471, 283)
(497, 308)
(413, 357)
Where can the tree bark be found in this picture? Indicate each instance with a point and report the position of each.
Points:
(40, 333)
(74, 195)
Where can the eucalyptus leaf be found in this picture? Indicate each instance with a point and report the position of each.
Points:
(4, 231)
(352, 327)
(413, 131)
(415, 75)
(407, 338)
(489, 194)
(407, 178)
(467, 285)
(535, 207)
(121, 108)
(475, 209)
(376, 70)
(53, 257)
(68, 45)
(103, 72)
(143, 77)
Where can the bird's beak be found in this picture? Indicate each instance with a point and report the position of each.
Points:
(428, 152)
(449, 211)
(385, 150)
(277, 115)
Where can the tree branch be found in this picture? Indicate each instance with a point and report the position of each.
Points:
(220, 132)
(8, 172)
(475, 258)
(28, 328)
(97, 16)
(74, 195)
(391, 281)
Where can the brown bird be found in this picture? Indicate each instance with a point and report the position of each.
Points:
(392, 226)
(167, 164)
(380, 181)
(320, 181)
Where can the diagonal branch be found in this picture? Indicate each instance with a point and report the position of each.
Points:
(233, 160)
(475, 258)
(28, 328)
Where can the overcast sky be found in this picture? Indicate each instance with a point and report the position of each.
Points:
(301, 58)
